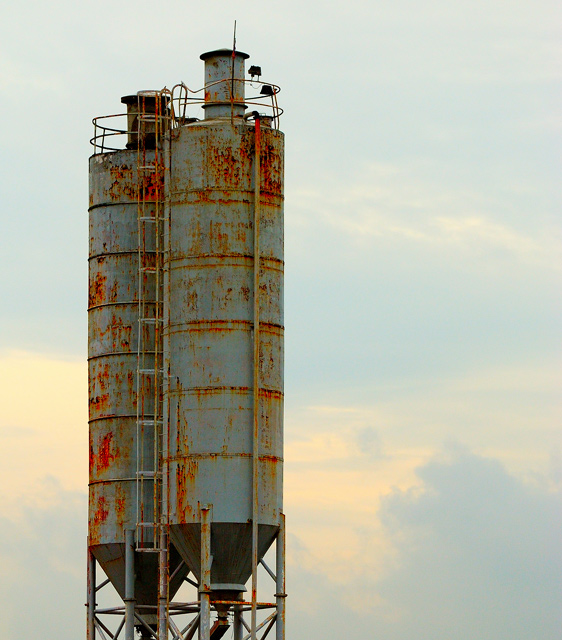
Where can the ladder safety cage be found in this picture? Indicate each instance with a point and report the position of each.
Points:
(152, 120)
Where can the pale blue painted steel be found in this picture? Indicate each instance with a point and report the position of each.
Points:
(112, 363)
(224, 83)
(210, 340)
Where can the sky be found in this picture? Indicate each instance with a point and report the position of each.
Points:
(423, 454)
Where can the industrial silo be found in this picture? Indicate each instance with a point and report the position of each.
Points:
(186, 357)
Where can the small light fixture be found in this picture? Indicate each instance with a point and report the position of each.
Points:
(254, 71)
(267, 90)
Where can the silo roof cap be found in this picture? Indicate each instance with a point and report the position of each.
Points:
(223, 52)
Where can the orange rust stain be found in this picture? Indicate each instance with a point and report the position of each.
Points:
(91, 457)
(271, 394)
(185, 476)
(268, 198)
(99, 403)
(152, 187)
(97, 290)
(245, 293)
(131, 382)
(120, 334)
(120, 505)
(126, 339)
(270, 168)
(203, 197)
(191, 299)
(187, 511)
(105, 454)
(181, 489)
(102, 511)
(191, 471)
(212, 330)
(218, 238)
(241, 232)
(103, 377)
(122, 186)
(112, 297)
(225, 166)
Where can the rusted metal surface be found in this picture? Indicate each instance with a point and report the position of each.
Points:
(113, 333)
(142, 131)
(112, 345)
(210, 335)
(224, 83)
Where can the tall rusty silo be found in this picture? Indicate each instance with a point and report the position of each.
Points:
(186, 358)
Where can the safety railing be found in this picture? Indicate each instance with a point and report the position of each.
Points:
(109, 136)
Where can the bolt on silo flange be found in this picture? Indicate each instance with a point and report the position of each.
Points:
(186, 357)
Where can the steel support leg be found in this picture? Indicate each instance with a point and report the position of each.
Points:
(163, 586)
(280, 595)
(238, 628)
(205, 584)
(257, 380)
(91, 601)
(129, 598)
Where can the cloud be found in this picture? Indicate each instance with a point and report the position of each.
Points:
(510, 411)
(479, 553)
(43, 423)
(474, 552)
(398, 204)
(470, 552)
(43, 559)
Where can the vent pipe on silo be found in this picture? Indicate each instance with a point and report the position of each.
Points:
(224, 83)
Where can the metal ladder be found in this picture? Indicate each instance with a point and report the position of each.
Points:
(149, 374)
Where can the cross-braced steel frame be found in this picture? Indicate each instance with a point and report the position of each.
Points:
(183, 620)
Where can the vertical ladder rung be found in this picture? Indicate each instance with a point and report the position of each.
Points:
(148, 212)
(150, 423)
